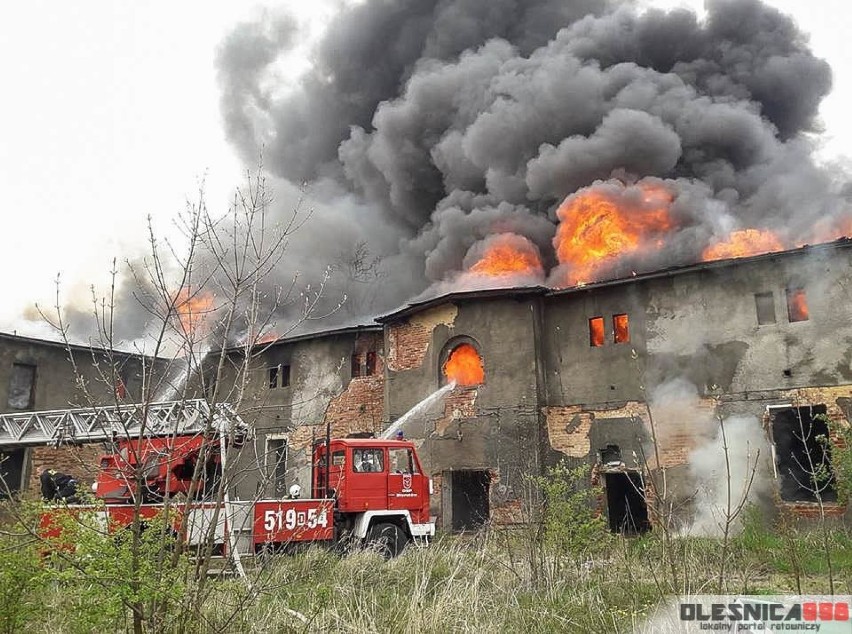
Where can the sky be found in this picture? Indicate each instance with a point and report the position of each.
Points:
(110, 115)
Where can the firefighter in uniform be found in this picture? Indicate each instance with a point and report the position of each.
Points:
(57, 486)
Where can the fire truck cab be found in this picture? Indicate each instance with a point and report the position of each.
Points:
(379, 490)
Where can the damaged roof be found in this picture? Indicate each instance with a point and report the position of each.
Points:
(526, 291)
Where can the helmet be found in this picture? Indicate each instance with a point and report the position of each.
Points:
(295, 491)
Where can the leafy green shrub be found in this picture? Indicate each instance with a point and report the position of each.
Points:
(22, 577)
(570, 515)
(103, 577)
(841, 459)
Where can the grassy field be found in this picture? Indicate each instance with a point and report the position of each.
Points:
(503, 580)
(499, 583)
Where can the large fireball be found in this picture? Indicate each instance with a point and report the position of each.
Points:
(508, 254)
(601, 223)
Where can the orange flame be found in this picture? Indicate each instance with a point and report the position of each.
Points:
(621, 328)
(601, 223)
(596, 332)
(269, 337)
(797, 305)
(508, 254)
(464, 366)
(192, 309)
(743, 243)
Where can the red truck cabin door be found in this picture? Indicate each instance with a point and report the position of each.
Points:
(406, 484)
(367, 483)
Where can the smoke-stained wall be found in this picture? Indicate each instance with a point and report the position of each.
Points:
(490, 427)
(709, 340)
(295, 388)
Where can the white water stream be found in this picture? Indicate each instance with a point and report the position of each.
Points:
(421, 408)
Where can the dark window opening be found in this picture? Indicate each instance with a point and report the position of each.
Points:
(279, 376)
(803, 454)
(621, 328)
(364, 364)
(469, 493)
(611, 454)
(11, 472)
(625, 501)
(765, 304)
(596, 332)
(797, 305)
(276, 451)
(22, 386)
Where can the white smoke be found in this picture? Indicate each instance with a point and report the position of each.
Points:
(745, 474)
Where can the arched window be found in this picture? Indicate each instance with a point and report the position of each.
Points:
(461, 362)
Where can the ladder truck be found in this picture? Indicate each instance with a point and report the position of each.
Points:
(363, 490)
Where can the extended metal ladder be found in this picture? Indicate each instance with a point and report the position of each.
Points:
(71, 426)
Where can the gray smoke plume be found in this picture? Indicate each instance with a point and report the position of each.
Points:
(746, 475)
(424, 126)
(700, 495)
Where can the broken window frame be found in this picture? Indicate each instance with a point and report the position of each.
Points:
(26, 386)
(764, 305)
(597, 336)
(370, 363)
(276, 449)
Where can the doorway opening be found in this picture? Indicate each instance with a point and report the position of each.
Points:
(469, 506)
(625, 500)
(803, 454)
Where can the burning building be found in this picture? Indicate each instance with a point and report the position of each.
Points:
(596, 219)
(507, 382)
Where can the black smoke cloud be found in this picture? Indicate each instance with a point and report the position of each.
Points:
(424, 126)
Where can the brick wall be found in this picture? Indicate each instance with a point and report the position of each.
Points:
(458, 404)
(679, 430)
(358, 408)
(568, 429)
(81, 462)
(810, 510)
(409, 341)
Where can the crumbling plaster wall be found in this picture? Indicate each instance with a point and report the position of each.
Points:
(700, 326)
(322, 390)
(494, 426)
(703, 325)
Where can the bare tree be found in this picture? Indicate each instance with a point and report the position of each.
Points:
(211, 302)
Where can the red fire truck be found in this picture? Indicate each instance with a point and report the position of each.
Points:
(363, 490)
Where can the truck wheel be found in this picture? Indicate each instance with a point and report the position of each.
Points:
(387, 539)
